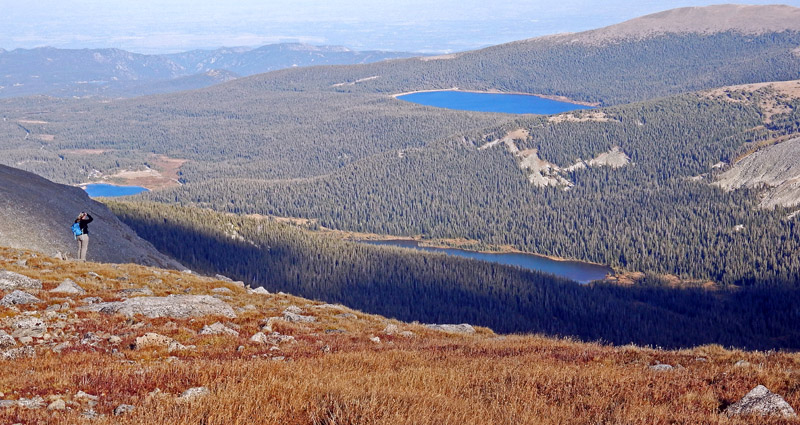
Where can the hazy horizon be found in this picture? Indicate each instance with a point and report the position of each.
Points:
(150, 26)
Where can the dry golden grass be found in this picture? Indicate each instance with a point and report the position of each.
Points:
(343, 377)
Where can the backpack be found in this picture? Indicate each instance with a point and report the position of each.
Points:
(76, 230)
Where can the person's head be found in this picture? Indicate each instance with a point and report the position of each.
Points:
(81, 216)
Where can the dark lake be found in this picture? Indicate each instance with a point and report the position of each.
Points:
(491, 102)
(574, 270)
(109, 190)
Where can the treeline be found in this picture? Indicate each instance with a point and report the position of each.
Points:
(647, 216)
(411, 285)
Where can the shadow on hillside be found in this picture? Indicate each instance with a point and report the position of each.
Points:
(434, 288)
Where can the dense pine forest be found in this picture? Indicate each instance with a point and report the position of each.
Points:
(651, 215)
(410, 285)
(330, 144)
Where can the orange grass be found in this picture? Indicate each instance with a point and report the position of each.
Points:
(430, 378)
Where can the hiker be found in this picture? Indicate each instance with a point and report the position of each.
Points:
(83, 221)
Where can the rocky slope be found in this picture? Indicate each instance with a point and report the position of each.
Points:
(125, 344)
(775, 168)
(36, 213)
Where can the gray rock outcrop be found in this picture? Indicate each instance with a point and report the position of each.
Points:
(19, 297)
(176, 306)
(761, 402)
(10, 281)
(777, 167)
(463, 328)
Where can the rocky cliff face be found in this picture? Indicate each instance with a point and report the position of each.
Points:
(36, 214)
(776, 168)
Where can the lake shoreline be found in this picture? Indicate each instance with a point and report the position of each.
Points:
(556, 98)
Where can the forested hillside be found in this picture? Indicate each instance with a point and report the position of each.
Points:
(410, 285)
(329, 143)
(652, 215)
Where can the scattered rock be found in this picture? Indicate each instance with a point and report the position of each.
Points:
(6, 340)
(741, 363)
(92, 300)
(135, 292)
(31, 403)
(661, 367)
(29, 327)
(10, 281)
(407, 334)
(375, 339)
(90, 414)
(218, 329)
(193, 393)
(84, 395)
(94, 275)
(762, 402)
(346, 316)
(114, 340)
(17, 353)
(292, 314)
(260, 290)
(391, 329)
(293, 309)
(19, 297)
(176, 306)
(221, 290)
(58, 404)
(463, 328)
(123, 409)
(68, 287)
(8, 403)
(152, 339)
(274, 338)
(223, 278)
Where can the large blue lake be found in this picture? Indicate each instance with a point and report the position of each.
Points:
(491, 102)
(109, 190)
(573, 270)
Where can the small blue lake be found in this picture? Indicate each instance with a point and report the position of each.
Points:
(574, 270)
(491, 102)
(109, 190)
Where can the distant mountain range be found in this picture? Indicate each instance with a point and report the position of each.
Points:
(118, 73)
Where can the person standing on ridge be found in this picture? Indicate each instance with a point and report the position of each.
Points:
(83, 221)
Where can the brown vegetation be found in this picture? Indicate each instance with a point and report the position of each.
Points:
(335, 373)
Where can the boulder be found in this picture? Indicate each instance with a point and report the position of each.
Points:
(193, 393)
(260, 291)
(6, 340)
(273, 338)
(57, 404)
(123, 409)
(10, 281)
(152, 339)
(68, 287)
(176, 306)
(19, 297)
(761, 402)
(463, 328)
(218, 329)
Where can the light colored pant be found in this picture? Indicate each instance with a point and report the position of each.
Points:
(83, 245)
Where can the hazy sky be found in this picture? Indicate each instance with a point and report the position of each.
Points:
(160, 26)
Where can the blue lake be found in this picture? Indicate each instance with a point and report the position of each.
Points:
(491, 102)
(109, 190)
(574, 270)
